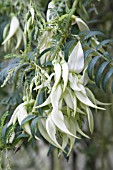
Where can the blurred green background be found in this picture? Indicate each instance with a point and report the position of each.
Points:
(93, 154)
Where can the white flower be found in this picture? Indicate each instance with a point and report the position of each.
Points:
(76, 59)
(49, 12)
(81, 24)
(13, 28)
(65, 73)
(58, 73)
(20, 113)
(53, 98)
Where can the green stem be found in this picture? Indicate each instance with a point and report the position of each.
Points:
(71, 13)
(67, 27)
(1, 160)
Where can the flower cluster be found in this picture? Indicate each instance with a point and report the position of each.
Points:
(67, 99)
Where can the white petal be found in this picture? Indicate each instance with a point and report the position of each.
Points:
(36, 138)
(80, 111)
(90, 95)
(68, 99)
(84, 78)
(57, 68)
(39, 87)
(76, 59)
(90, 119)
(74, 100)
(65, 141)
(19, 36)
(42, 129)
(22, 114)
(55, 96)
(51, 130)
(13, 119)
(101, 103)
(65, 74)
(5, 32)
(81, 24)
(95, 42)
(72, 128)
(49, 12)
(73, 78)
(75, 104)
(15, 115)
(85, 100)
(13, 28)
(58, 119)
(80, 131)
(47, 102)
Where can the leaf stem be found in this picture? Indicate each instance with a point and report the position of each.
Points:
(67, 27)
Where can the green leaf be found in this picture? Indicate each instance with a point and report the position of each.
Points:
(112, 87)
(90, 34)
(106, 79)
(16, 72)
(28, 118)
(34, 123)
(51, 148)
(107, 55)
(3, 118)
(42, 53)
(67, 48)
(22, 136)
(88, 52)
(99, 72)
(103, 43)
(30, 55)
(91, 66)
(41, 98)
(4, 130)
(49, 63)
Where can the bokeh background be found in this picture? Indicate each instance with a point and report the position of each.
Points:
(93, 154)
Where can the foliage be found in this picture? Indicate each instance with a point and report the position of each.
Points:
(52, 57)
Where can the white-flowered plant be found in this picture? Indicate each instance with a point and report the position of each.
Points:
(68, 101)
(54, 77)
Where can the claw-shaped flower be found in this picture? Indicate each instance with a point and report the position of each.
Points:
(76, 59)
(13, 28)
(20, 113)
